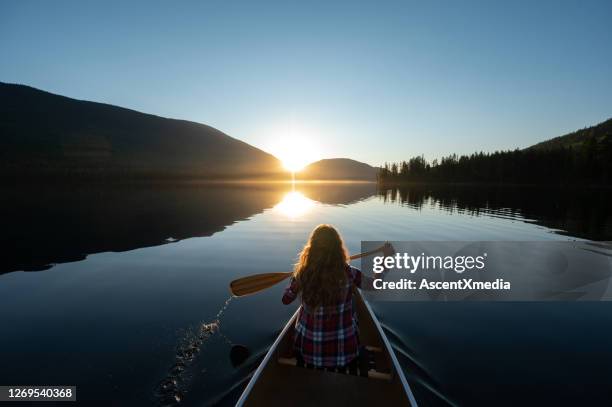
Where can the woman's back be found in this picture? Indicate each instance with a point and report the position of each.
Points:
(326, 330)
(327, 335)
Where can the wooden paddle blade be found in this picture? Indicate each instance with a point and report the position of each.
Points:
(252, 284)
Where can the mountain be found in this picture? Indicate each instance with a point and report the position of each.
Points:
(599, 133)
(581, 158)
(43, 134)
(338, 169)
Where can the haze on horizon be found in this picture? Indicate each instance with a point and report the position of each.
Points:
(373, 82)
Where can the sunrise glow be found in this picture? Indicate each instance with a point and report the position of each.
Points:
(296, 153)
(294, 144)
(294, 205)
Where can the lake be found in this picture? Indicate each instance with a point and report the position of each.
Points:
(116, 289)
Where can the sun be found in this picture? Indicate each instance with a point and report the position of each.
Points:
(296, 153)
(294, 145)
(293, 162)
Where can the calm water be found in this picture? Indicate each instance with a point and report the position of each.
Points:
(121, 278)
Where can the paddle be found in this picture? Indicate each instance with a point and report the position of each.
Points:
(259, 282)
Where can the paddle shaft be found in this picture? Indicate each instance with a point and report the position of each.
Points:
(259, 282)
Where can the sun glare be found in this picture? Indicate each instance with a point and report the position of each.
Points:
(293, 161)
(294, 205)
(295, 146)
(296, 153)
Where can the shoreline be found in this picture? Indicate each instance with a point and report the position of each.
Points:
(388, 185)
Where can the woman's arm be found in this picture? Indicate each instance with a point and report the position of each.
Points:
(364, 281)
(291, 292)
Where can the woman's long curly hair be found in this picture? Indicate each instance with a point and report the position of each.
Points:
(320, 271)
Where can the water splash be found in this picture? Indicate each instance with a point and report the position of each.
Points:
(172, 388)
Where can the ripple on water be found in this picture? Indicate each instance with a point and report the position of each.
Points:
(171, 389)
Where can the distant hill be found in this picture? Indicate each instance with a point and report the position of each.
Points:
(42, 134)
(580, 138)
(581, 158)
(338, 169)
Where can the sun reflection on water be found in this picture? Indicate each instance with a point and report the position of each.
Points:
(294, 205)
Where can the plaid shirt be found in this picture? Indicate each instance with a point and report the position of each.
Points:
(327, 336)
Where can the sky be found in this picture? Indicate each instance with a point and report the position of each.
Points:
(373, 81)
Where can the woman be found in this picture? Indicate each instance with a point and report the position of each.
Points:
(326, 331)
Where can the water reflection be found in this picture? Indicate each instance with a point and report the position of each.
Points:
(127, 344)
(45, 225)
(583, 213)
(49, 224)
(294, 205)
(337, 193)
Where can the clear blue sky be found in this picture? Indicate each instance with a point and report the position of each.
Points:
(373, 81)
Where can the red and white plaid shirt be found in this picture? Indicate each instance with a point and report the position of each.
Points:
(327, 336)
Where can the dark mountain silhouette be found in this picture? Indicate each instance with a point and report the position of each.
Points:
(43, 134)
(579, 138)
(338, 169)
(583, 157)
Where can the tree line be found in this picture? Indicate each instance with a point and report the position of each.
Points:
(590, 163)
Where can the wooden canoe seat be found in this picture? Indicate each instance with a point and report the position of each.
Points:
(364, 365)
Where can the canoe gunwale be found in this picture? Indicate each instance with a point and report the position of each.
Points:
(272, 353)
(391, 352)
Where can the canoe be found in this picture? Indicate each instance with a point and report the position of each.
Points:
(278, 379)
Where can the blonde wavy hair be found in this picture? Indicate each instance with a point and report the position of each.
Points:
(320, 270)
